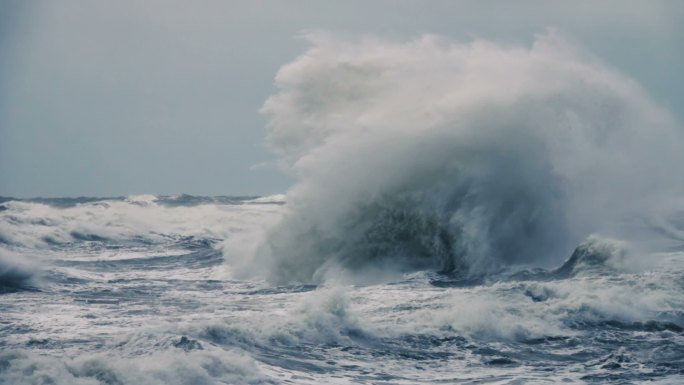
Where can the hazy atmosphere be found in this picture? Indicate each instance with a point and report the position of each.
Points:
(130, 97)
(341, 192)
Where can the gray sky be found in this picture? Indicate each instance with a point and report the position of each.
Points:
(102, 98)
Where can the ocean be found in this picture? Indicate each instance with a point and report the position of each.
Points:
(473, 213)
(145, 290)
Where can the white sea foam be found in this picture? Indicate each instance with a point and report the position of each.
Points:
(521, 310)
(170, 366)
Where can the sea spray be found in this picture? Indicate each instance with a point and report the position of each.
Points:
(457, 157)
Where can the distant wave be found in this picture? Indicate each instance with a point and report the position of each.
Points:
(461, 158)
(137, 219)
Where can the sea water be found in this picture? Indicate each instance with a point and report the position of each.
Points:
(137, 290)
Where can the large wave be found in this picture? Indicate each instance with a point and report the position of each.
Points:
(458, 157)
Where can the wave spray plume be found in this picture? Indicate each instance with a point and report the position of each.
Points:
(463, 158)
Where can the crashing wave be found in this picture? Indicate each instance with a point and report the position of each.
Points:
(593, 256)
(457, 157)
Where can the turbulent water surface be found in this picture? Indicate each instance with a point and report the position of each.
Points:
(461, 213)
(138, 290)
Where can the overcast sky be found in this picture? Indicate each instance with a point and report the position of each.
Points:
(104, 98)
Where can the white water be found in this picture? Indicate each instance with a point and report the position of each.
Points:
(441, 190)
(156, 305)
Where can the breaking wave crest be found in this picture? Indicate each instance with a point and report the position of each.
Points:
(45, 223)
(16, 273)
(462, 158)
